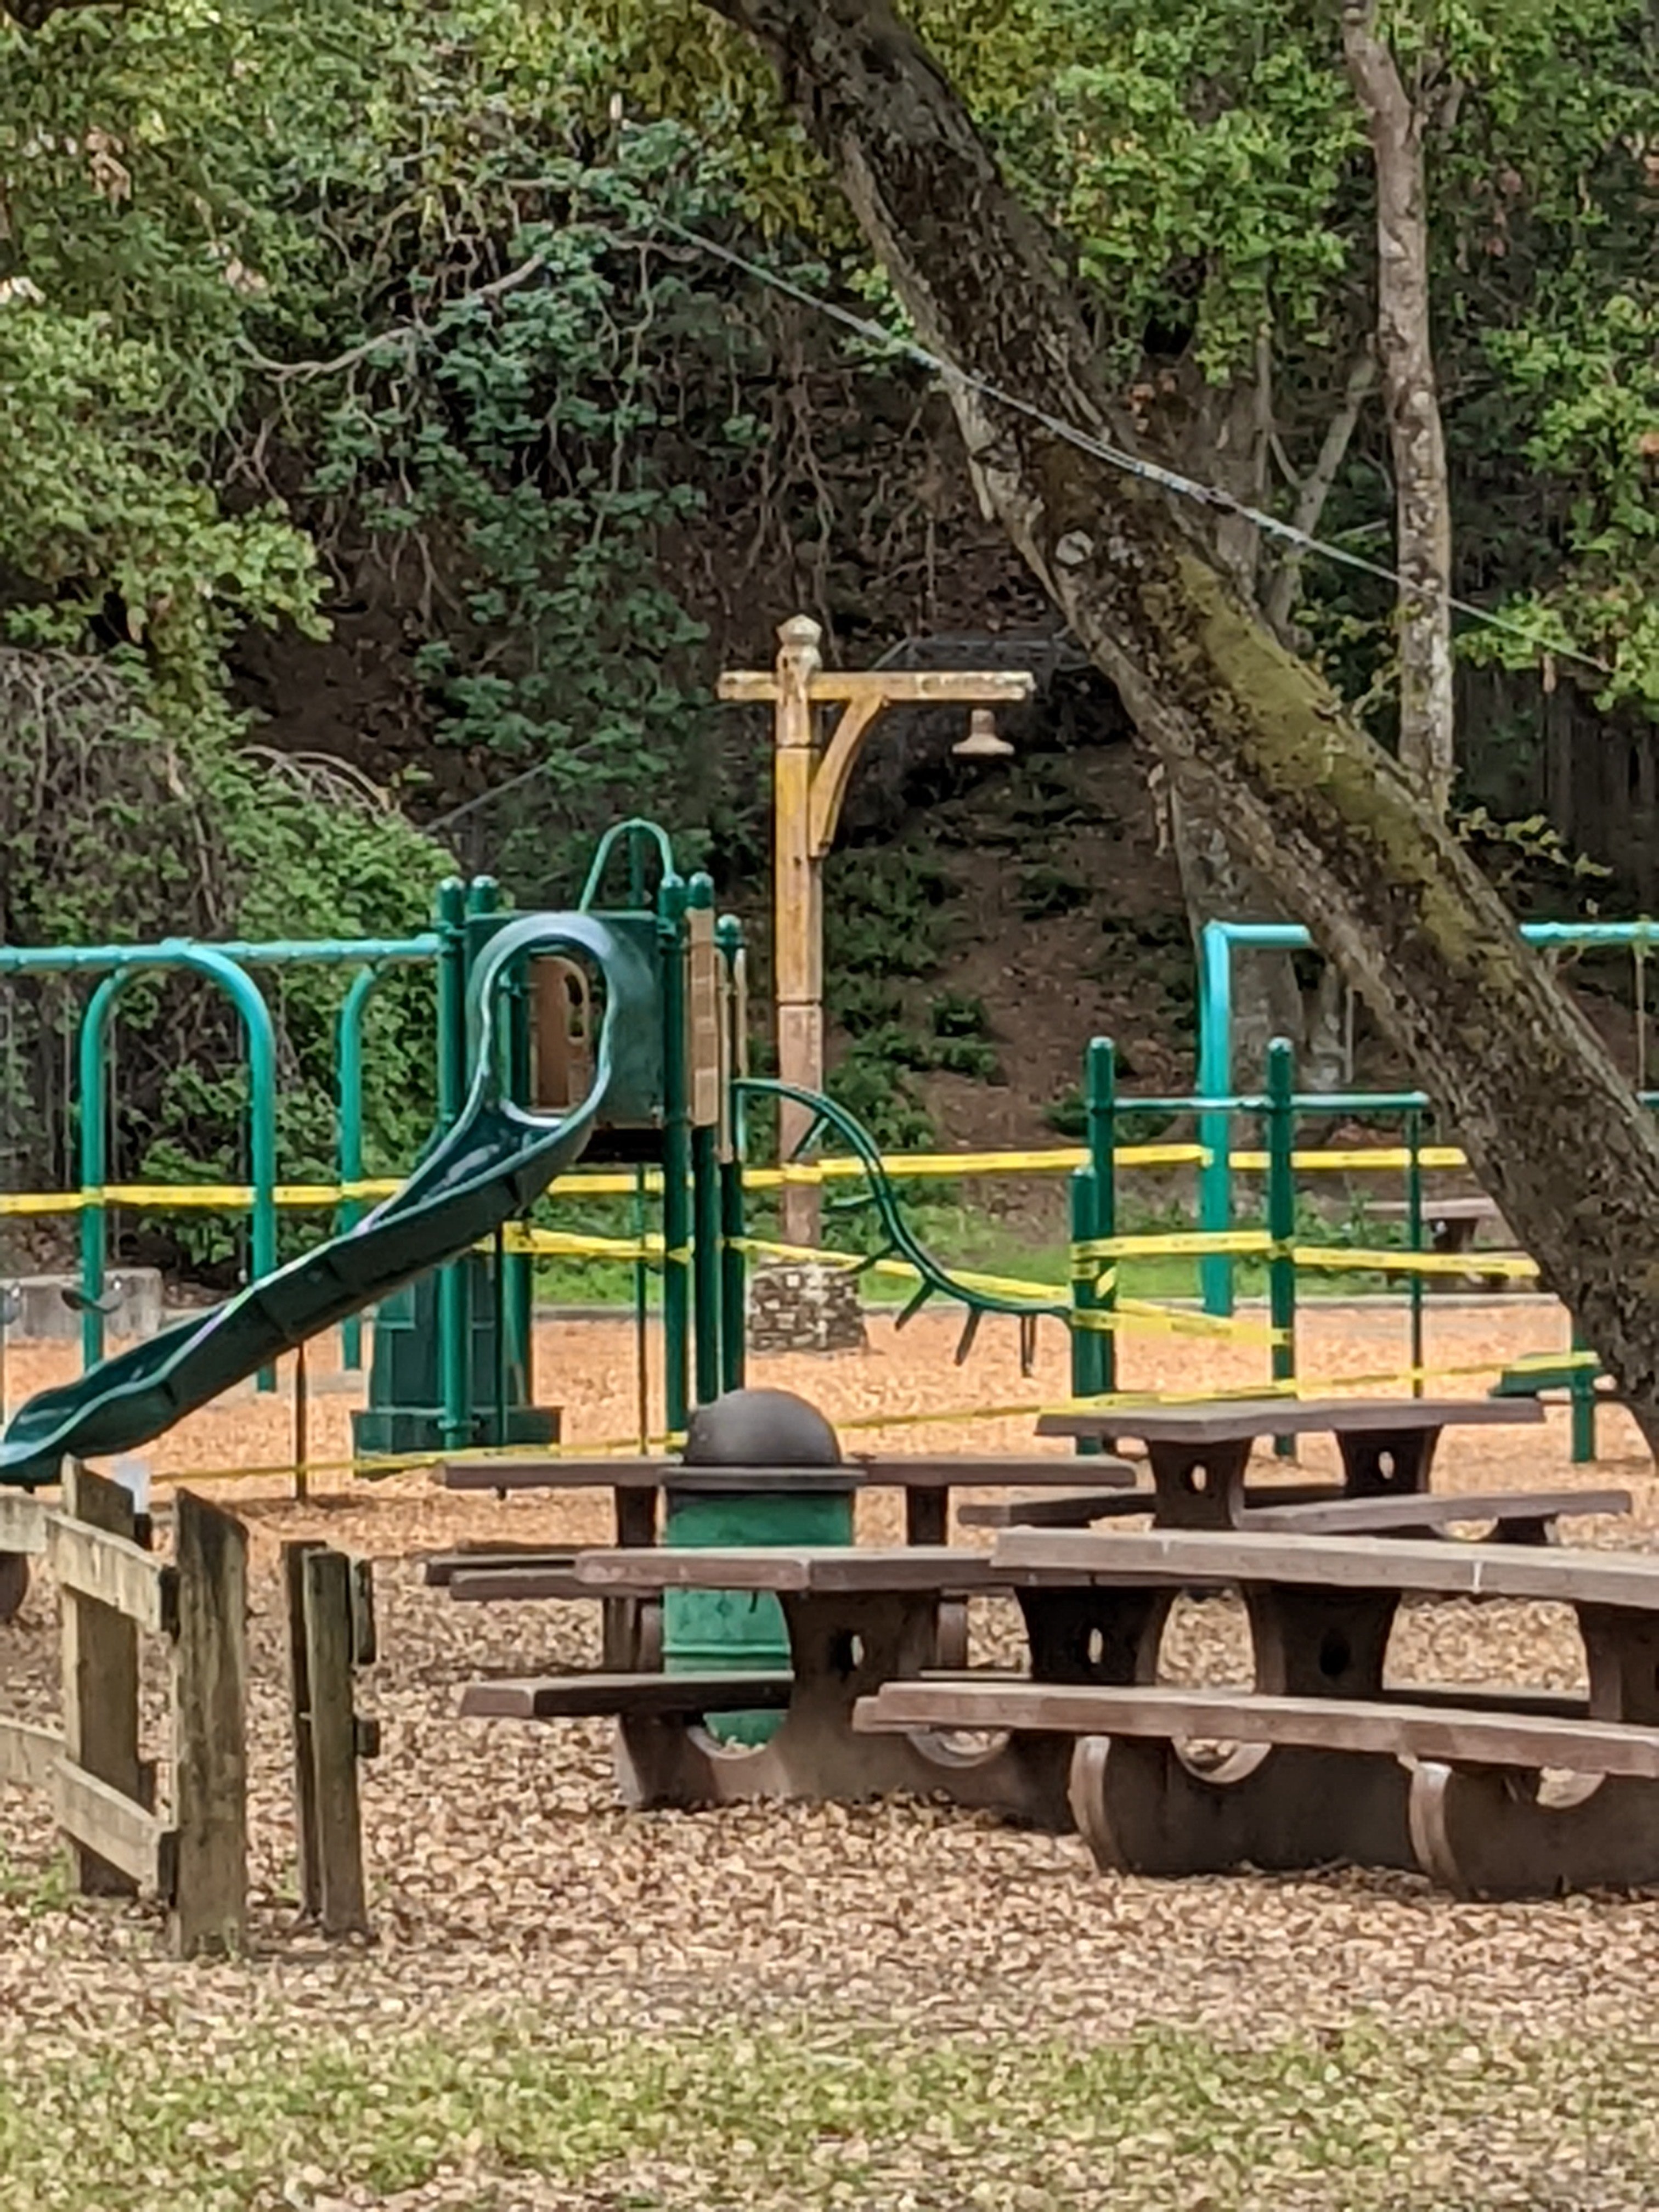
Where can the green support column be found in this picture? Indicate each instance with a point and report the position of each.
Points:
(1101, 1126)
(1582, 1398)
(1415, 1238)
(706, 1211)
(350, 1065)
(516, 1297)
(1280, 1120)
(1094, 1215)
(734, 1283)
(454, 1300)
(676, 1160)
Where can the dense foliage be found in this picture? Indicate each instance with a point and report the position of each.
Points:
(368, 312)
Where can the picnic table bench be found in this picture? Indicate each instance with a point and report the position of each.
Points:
(1452, 1224)
(1323, 1760)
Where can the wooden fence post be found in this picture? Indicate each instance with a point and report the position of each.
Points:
(330, 1633)
(209, 1785)
(101, 1680)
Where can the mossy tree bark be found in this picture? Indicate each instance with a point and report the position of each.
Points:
(1251, 735)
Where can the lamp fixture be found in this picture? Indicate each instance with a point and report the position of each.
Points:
(982, 742)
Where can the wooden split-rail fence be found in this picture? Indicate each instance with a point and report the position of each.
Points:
(114, 1589)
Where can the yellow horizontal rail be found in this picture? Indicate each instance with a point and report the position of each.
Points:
(209, 1197)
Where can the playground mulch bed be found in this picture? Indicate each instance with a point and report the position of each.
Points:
(568, 2006)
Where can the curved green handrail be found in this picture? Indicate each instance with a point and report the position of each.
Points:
(245, 994)
(902, 1243)
(635, 827)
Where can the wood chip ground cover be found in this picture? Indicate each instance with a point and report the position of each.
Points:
(896, 2006)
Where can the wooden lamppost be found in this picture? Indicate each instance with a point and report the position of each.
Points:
(808, 784)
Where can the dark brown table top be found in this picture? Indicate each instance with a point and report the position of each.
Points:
(809, 1570)
(1514, 1570)
(546, 1471)
(1234, 1420)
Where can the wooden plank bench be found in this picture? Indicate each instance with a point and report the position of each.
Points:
(1486, 1732)
(1518, 1517)
(1453, 1224)
(1318, 1509)
(600, 1696)
(1321, 1607)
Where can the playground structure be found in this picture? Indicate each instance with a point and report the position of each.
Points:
(618, 1035)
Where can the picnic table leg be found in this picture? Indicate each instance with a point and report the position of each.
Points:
(630, 1633)
(1483, 1832)
(844, 1647)
(1387, 1463)
(1198, 1485)
(1144, 1806)
(927, 1521)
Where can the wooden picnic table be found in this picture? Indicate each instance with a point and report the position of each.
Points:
(1198, 1455)
(632, 1629)
(1323, 1760)
(856, 1618)
(867, 1712)
(926, 1482)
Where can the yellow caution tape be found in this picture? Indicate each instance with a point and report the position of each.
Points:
(1396, 1158)
(559, 1243)
(1180, 1241)
(1392, 1261)
(899, 1166)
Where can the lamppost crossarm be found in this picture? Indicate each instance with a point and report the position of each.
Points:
(808, 786)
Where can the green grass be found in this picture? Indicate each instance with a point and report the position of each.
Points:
(216, 2118)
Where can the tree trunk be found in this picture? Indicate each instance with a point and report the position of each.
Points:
(1417, 442)
(1246, 731)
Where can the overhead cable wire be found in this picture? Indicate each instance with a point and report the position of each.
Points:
(1169, 480)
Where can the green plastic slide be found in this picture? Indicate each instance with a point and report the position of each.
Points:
(481, 1173)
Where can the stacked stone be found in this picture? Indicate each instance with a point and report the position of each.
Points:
(801, 1306)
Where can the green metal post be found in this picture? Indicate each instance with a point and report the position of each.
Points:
(1415, 1238)
(676, 1159)
(641, 1319)
(706, 1215)
(1101, 1125)
(1094, 1214)
(454, 1316)
(734, 1284)
(498, 1291)
(515, 1296)
(1582, 1397)
(1087, 1380)
(1280, 1118)
(348, 1060)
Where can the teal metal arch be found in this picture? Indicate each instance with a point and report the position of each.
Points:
(1215, 1054)
(93, 1053)
(636, 830)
